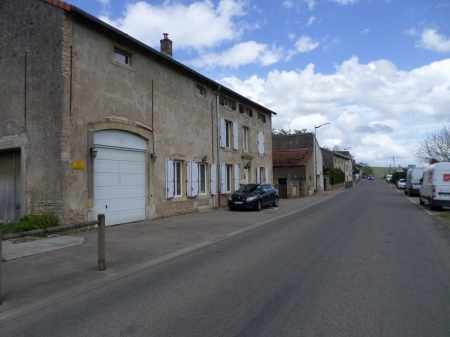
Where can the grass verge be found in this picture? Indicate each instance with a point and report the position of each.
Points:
(30, 222)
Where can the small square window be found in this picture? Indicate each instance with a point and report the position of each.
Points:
(122, 57)
(226, 103)
(200, 91)
(262, 118)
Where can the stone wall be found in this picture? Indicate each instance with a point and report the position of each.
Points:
(31, 92)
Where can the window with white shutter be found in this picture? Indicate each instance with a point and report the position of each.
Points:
(267, 176)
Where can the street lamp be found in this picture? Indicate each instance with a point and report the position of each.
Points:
(315, 156)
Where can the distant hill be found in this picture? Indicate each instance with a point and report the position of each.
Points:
(380, 172)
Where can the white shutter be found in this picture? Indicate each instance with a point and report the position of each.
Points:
(223, 178)
(170, 176)
(260, 143)
(267, 176)
(213, 179)
(236, 177)
(189, 180)
(194, 179)
(236, 135)
(246, 175)
(258, 176)
(223, 129)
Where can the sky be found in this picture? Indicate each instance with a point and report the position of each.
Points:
(378, 71)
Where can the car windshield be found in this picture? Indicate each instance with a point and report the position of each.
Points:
(248, 188)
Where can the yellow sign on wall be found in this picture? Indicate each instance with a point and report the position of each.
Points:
(78, 165)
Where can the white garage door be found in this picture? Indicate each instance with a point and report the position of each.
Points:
(119, 177)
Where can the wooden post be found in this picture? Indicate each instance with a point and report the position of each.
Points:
(101, 243)
(1, 238)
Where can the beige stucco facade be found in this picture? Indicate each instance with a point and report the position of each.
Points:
(153, 97)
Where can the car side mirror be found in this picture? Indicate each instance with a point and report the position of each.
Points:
(421, 181)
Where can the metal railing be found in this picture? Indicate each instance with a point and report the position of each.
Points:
(101, 240)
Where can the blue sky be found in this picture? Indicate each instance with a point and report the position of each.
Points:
(377, 70)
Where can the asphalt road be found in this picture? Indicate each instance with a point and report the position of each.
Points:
(366, 263)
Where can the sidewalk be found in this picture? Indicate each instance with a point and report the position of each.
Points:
(74, 263)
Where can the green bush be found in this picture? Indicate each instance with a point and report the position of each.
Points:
(336, 175)
(31, 222)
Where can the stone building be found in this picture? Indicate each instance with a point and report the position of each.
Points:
(339, 159)
(93, 121)
(295, 156)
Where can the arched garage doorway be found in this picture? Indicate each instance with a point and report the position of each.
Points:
(119, 176)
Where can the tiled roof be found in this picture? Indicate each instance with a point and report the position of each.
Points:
(291, 157)
(61, 4)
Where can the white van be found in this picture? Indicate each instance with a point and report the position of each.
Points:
(413, 177)
(435, 188)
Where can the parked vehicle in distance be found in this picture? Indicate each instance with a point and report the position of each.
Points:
(401, 184)
(435, 185)
(253, 196)
(388, 177)
(370, 177)
(413, 176)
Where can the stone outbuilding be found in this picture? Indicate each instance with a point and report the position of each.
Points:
(298, 156)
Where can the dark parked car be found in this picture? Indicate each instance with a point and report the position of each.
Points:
(253, 196)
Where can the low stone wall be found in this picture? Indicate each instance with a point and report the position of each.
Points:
(348, 184)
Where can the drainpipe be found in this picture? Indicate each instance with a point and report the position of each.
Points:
(219, 178)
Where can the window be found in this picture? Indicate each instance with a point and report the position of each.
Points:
(225, 133)
(227, 102)
(259, 175)
(122, 57)
(200, 91)
(261, 118)
(245, 138)
(228, 178)
(202, 178)
(245, 111)
(225, 172)
(178, 179)
(174, 178)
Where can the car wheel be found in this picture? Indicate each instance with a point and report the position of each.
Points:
(275, 202)
(432, 208)
(420, 200)
(258, 205)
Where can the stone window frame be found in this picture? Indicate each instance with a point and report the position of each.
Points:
(198, 86)
(124, 51)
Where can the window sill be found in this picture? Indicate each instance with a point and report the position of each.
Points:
(122, 65)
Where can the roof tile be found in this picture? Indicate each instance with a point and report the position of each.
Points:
(291, 157)
(61, 4)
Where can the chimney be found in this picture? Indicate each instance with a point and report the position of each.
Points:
(166, 45)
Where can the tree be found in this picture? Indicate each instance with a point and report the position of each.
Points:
(283, 132)
(435, 147)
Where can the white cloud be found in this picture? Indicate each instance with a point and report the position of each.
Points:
(241, 54)
(346, 2)
(104, 2)
(305, 44)
(198, 25)
(311, 20)
(311, 4)
(433, 41)
(369, 106)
